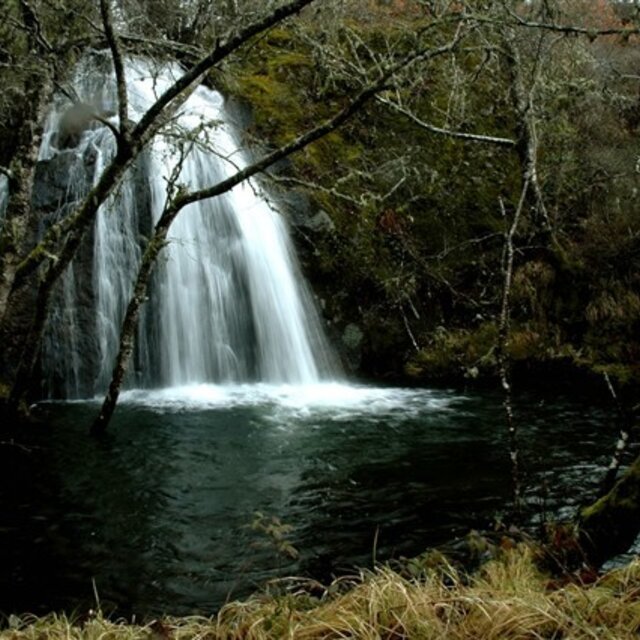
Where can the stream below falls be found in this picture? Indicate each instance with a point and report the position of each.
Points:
(157, 514)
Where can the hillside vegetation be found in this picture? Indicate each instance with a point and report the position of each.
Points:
(410, 249)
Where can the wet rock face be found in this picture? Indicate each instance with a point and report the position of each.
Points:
(60, 183)
(51, 184)
(352, 338)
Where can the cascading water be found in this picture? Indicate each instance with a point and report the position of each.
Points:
(4, 196)
(227, 302)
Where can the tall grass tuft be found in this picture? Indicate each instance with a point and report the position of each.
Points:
(507, 599)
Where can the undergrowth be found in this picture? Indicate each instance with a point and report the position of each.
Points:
(507, 598)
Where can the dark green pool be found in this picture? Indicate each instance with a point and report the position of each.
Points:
(156, 514)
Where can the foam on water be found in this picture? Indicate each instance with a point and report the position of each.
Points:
(339, 400)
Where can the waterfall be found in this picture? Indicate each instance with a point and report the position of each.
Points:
(4, 197)
(227, 302)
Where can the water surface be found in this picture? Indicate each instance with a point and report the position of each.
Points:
(157, 513)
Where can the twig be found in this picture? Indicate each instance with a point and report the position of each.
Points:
(572, 29)
(13, 443)
(118, 65)
(503, 339)
(622, 444)
(470, 137)
(290, 181)
(407, 326)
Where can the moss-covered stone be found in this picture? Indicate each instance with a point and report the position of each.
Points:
(610, 526)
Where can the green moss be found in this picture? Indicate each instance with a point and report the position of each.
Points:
(365, 268)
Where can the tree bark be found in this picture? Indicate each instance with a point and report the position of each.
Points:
(526, 135)
(19, 227)
(502, 355)
(624, 437)
(129, 327)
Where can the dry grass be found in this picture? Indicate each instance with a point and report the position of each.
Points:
(508, 599)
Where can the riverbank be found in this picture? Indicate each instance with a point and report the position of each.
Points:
(508, 597)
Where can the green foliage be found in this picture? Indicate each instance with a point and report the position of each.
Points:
(456, 352)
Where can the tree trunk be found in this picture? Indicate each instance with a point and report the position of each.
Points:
(502, 355)
(526, 136)
(129, 327)
(20, 228)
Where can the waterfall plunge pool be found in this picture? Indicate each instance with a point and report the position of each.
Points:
(158, 512)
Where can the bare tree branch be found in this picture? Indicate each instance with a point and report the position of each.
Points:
(318, 132)
(527, 144)
(567, 29)
(139, 136)
(622, 444)
(118, 65)
(130, 321)
(220, 51)
(471, 137)
(503, 341)
(290, 181)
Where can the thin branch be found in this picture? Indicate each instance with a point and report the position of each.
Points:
(163, 45)
(220, 51)
(470, 137)
(103, 121)
(6, 172)
(118, 65)
(503, 341)
(463, 245)
(318, 132)
(290, 181)
(362, 201)
(407, 327)
(622, 444)
(574, 30)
